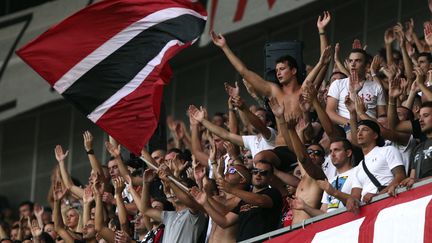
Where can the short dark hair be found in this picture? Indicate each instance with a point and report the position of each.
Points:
(266, 162)
(29, 203)
(427, 104)
(292, 62)
(346, 143)
(358, 50)
(427, 55)
(316, 144)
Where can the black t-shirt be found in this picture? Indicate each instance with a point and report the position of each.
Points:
(254, 220)
(422, 154)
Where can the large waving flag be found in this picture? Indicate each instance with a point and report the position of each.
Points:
(110, 60)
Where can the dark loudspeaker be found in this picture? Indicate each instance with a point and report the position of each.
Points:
(274, 50)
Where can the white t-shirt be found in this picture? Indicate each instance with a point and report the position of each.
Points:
(328, 168)
(341, 182)
(380, 161)
(371, 92)
(258, 143)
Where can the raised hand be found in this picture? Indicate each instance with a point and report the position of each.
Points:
(199, 196)
(356, 44)
(238, 102)
(199, 172)
(325, 57)
(149, 175)
(309, 93)
(389, 36)
(218, 39)
(164, 172)
(360, 105)
(119, 185)
(336, 53)
(38, 210)
(113, 150)
(232, 91)
(278, 110)
(355, 85)
(98, 185)
(122, 237)
(291, 120)
(376, 63)
(88, 196)
(428, 33)
(198, 115)
(395, 89)
(88, 140)
(399, 33)
(59, 154)
(304, 104)
(35, 230)
(223, 185)
(59, 191)
(390, 71)
(420, 76)
(409, 30)
(192, 120)
(349, 103)
(323, 21)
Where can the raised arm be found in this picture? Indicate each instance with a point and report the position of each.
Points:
(183, 196)
(88, 198)
(197, 150)
(67, 180)
(221, 132)
(408, 66)
(59, 193)
(144, 206)
(252, 118)
(314, 171)
(100, 227)
(223, 221)
(338, 62)
(322, 22)
(94, 162)
(388, 40)
(420, 80)
(259, 84)
(119, 186)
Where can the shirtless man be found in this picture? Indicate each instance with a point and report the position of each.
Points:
(289, 91)
(286, 71)
(308, 188)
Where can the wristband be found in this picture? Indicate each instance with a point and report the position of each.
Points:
(321, 33)
(91, 151)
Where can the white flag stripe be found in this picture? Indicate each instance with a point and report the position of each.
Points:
(347, 232)
(402, 223)
(132, 85)
(117, 41)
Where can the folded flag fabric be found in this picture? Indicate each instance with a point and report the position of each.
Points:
(110, 61)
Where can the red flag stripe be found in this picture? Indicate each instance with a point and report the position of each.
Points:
(124, 121)
(116, 42)
(134, 83)
(428, 224)
(86, 31)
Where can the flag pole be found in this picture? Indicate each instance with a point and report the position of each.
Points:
(174, 180)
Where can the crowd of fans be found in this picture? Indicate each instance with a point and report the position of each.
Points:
(321, 144)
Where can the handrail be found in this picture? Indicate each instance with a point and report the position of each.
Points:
(291, 228)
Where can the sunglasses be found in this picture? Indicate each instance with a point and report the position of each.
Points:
(233, 170)
(256, 171)
(315, 152)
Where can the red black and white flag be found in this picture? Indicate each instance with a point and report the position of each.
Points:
(110, 61)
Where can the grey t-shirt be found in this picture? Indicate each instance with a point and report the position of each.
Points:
(182, 226)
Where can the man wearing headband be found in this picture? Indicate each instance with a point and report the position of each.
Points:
(381, 170)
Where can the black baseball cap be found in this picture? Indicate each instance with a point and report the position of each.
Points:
(376, 128)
